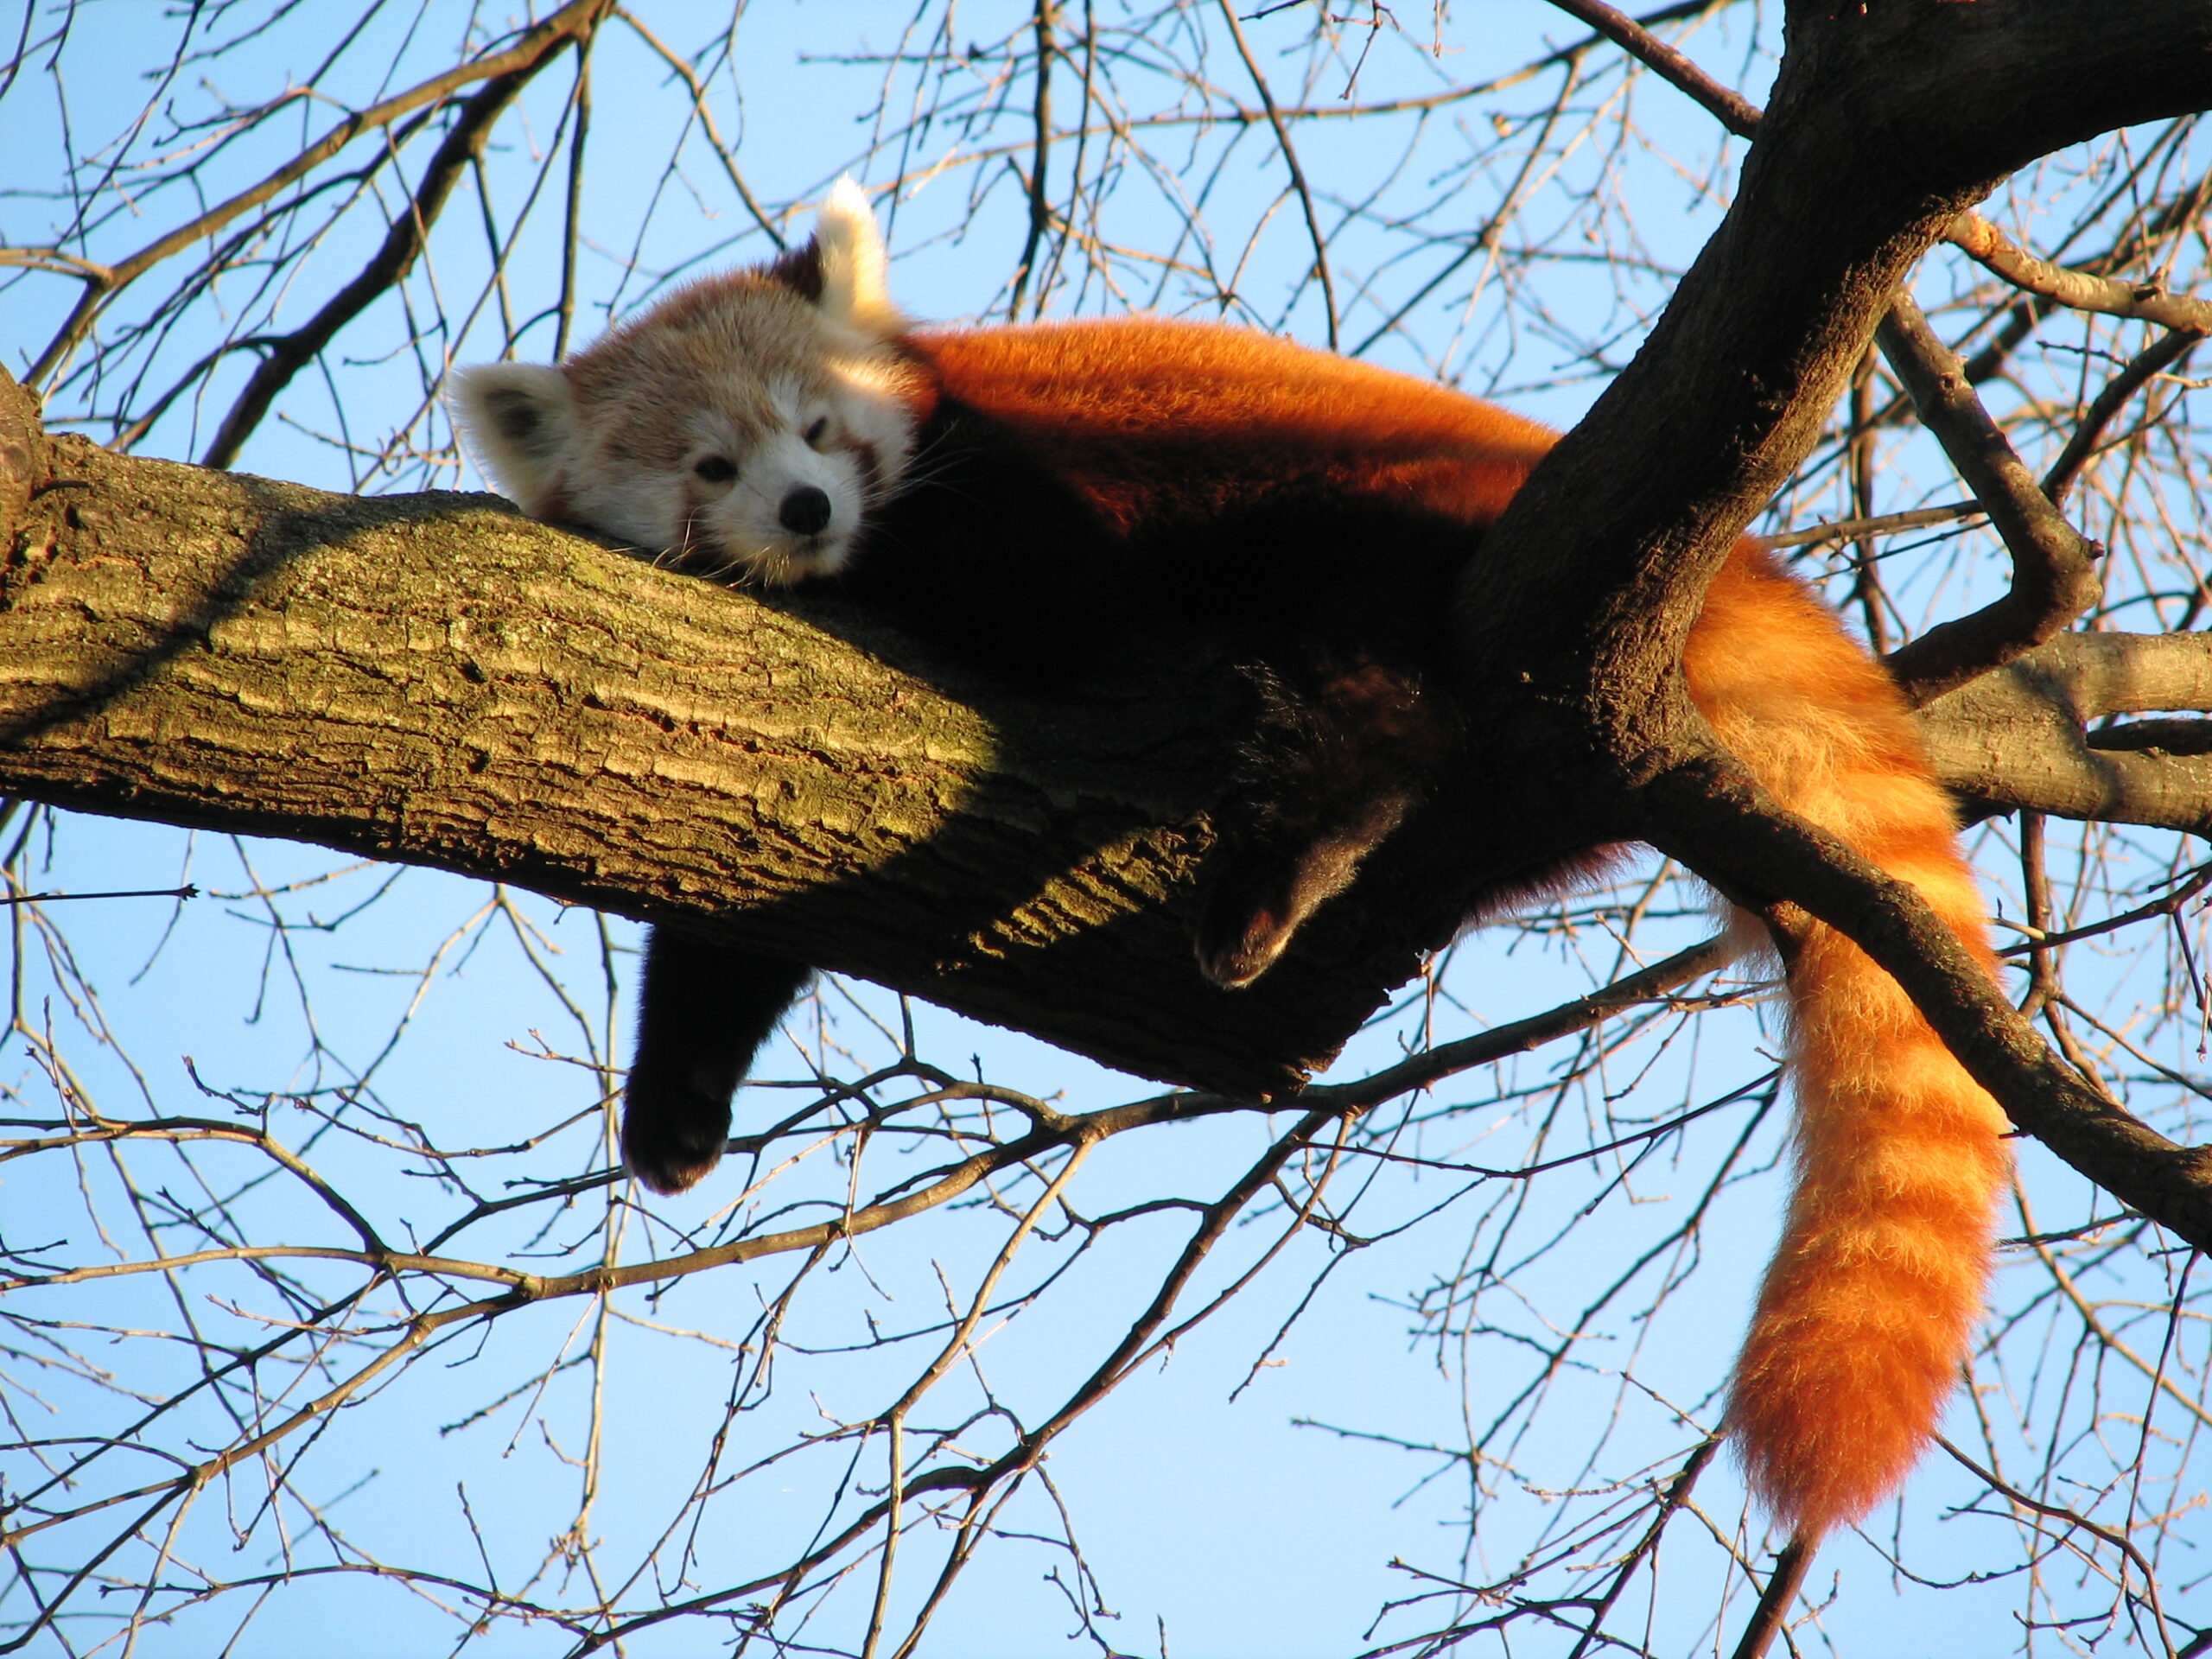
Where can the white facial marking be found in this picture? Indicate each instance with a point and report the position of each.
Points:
(787, 506)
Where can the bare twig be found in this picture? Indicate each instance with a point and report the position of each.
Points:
(1290, 160)
(2054, 580)
(529, 47)
(285, 356)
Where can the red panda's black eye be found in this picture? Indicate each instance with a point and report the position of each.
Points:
(715, 469)
(818, 432)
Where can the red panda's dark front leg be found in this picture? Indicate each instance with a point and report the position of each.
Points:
(703, 1012)
(1341, 753)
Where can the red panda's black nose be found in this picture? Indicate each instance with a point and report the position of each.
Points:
(805, 511)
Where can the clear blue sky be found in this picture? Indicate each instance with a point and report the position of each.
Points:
(1221, 1521)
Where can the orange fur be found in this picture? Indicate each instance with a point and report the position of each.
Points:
(1872, 1300)
(1868, 1308)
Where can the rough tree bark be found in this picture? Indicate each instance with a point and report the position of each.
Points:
(2021, 736)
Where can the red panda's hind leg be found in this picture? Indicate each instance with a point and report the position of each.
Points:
(1341, 753)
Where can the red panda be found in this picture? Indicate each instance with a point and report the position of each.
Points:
(1091, 481)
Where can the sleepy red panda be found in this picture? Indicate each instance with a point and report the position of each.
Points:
(785, 424)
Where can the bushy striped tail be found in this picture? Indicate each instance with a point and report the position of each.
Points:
(1870, 1303)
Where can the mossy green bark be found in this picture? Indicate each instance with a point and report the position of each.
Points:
(435, 680)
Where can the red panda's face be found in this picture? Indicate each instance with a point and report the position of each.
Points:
(739, 461)
(745, 427)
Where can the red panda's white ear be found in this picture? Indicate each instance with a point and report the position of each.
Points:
(855, 289)
(516, 419)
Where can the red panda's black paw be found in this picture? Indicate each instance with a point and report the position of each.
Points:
(671, 1138)
(1234, 949)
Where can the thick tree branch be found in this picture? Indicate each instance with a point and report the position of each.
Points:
(2022, 737)
(22, 454)
(2053, 578)
(1887, 121)
(434, 680)
(2053, 581)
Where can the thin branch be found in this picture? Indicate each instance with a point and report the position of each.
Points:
(1887, 523)
(1781, 1585)
(1290, 160)
(2054, 580)
(2153, 361)
(1717, 819)
(529, 48)
(285, 356)
(1040, 206)
(2078, 290)
(1730, 108)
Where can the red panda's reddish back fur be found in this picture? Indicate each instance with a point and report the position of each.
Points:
(1869, 1307)
(1156, 421)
